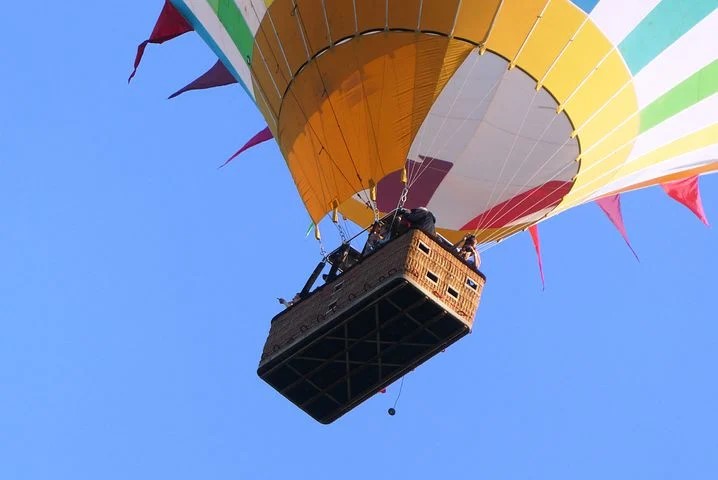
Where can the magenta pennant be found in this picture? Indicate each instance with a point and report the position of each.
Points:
(533, 230)
(170, 24)
(611, 206)
(687, 193)
(260, 137)
(217, 76)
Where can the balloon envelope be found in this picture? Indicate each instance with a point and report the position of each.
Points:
(502, 112)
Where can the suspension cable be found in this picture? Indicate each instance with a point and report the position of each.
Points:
(507, 158)
(489, 92)
(417, 171)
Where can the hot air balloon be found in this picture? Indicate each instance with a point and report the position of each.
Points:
(493, 114)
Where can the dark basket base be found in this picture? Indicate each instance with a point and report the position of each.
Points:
(369, 346)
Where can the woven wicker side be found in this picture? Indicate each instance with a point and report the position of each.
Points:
(332, 299)
(449, 280)
(294, 324)
(402, 257)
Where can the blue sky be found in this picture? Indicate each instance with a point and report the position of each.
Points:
(138, 283)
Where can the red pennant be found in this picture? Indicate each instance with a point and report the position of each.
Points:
(170, 24)
(533, 230)
(260, 137)
(687, 193)
(611, 206)
(217, 76)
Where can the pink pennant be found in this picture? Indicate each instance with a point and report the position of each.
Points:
(170, 24)
(260, 137)
(533, 230)
(687, 192)
(217, 76)
(611, 206)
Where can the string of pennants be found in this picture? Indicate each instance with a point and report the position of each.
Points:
(685, 191)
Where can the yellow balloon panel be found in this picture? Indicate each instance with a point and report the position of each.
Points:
(475, 18)
(310, 18)
(404, 14)
(281, 31)
(439, 16)
(691, 142)
(355, 111)
(594, 93)
(341, 13)
(371, 14)
(512, 26)
(549, 39)
(576, 62)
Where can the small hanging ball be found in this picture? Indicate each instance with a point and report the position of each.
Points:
(392, 412)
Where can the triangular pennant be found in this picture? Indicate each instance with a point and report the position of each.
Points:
(263, 136)
(687, 192)
(611, 206)
(217, 76)
(533, 230)
(170, 24)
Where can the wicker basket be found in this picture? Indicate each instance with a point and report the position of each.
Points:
(407, 301)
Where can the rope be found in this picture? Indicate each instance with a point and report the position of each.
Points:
(303, 30)
(342, 233)
(347, 226)
(449, 138)
(438, 130)
(400, 203)
(322, 250)
(402, 198)
(323, 180)
(584, 186)
(401, 387)
(578, 128)
(508, 156)
(527, 183)
(525, 211)
(305, 38)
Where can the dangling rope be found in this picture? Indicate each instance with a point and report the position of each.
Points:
(392, 410)
(401, 387)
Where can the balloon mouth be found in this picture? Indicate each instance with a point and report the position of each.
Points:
(504, 160)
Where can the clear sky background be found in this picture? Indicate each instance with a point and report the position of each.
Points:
(137, 282)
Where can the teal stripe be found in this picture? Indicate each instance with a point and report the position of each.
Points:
(236, 26)
(666, 23)
(202, 32)
(692, 90)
